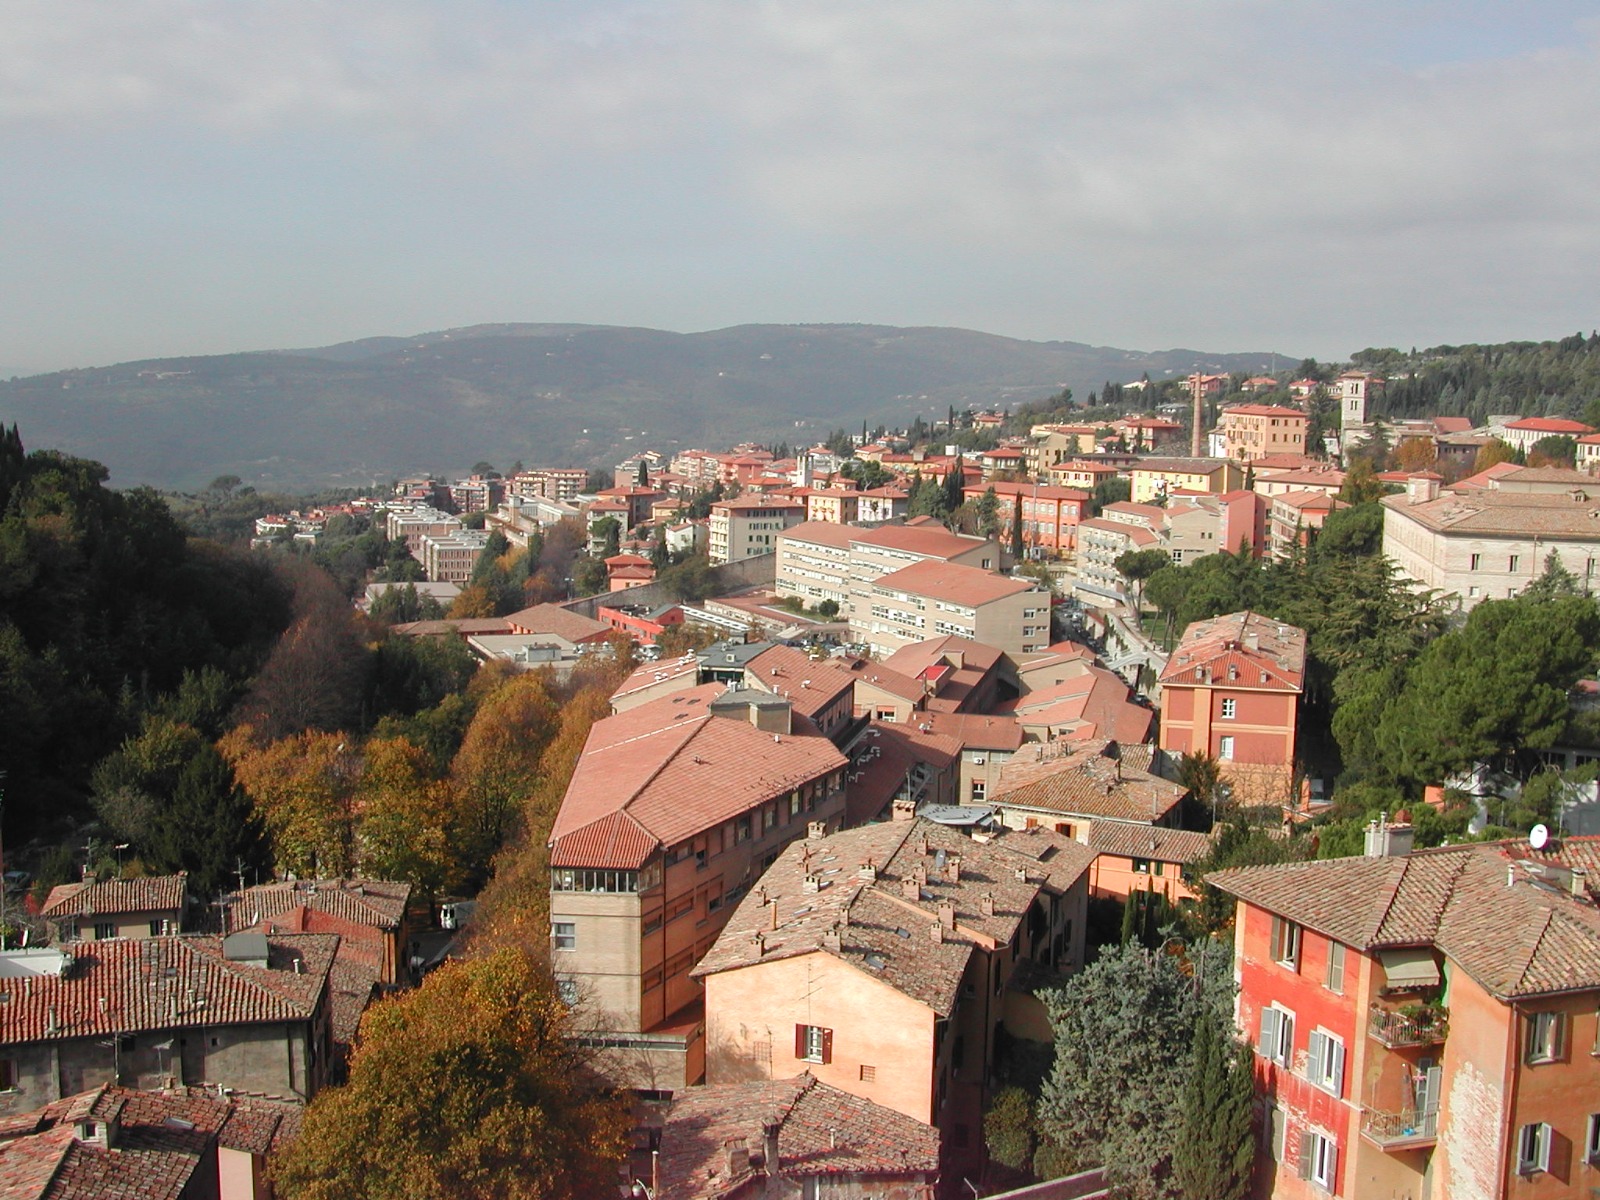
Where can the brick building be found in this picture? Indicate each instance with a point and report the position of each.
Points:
(117, 908)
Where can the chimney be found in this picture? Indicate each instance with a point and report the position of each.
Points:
(986, 904)
(1578, 880)
(936, 932)
(903, 810)
(774, 907)
(947, 914)
(952, 868)
(816, 829)
(1422, 487)
(1196, 390)
(760, 939)
(769, 1147)
(737, 1157)
(1388, 840)
(831, 939)
(1022, 874)
(811, 883)
(910, 888)
(868, 871)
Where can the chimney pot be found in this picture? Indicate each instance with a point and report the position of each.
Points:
(936, 932)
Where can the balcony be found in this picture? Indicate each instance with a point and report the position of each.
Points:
(1403, 1130)
(1413, 1025)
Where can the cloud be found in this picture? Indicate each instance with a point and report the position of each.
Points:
(1285, 152)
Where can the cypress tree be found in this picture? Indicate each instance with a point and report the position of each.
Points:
(1016, 525)
(1216, 1139)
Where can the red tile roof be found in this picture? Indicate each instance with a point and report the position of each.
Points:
(130, 986)
(1084, 779)
(821, 1131)
(661, 772)
(1265, 410)
(109, 897)
(929, 540)
(1094, 704)
(1153, 842)
(375, 902)
(954, 583)
(822, 533)
(563, 623)
(1492, 909)
(973, 731)
(810, 684)
(1235, 651)
(1550, 425)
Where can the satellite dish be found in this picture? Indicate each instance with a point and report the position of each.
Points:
(1538, 837)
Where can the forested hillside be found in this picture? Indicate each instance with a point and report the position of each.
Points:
(1530, 379)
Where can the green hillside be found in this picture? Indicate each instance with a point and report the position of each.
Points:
(380, 407)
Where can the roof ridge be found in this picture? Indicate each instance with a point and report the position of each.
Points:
(1533, 950)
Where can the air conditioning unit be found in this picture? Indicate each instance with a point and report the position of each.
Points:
(979, 760)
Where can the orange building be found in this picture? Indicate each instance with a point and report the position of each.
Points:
(1232, 690)
(881, 960)
(1424, 1023)
(1050, 514)
(1251, 431)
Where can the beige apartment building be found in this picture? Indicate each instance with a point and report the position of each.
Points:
(748, 526)
(449, 558)
(1154, 478)
(820, 561)
(675, 809)
(1252, 431)
(1491, 542)
(941, 599)
(411, 525)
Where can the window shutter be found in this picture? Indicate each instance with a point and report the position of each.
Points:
(799, 1041)
(1277, 938)
(1286, 1038)
(1318, 1047)
(1333, 1165)
(827, 1045)
(1267, 1046)
(1307, 1153)
(1558, 1154)
(1338, 1066)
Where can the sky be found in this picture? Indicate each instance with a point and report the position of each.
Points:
(1306, 177)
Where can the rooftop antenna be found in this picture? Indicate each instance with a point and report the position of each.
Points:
(1539, 837)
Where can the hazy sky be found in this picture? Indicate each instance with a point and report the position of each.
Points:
(195, 176)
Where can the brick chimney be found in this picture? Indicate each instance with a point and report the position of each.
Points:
(947, 914)
(736, 1156)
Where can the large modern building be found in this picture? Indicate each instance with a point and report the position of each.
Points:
(942, 599)
(748, 526)
(1252, 431)
(1425, 1023)
(673, 812)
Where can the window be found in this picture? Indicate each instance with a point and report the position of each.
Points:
(1533, 1148)
(1334, 979)
(1277, 1035)
(104, 930)
(564, 934)
(1230, 709)
(1286, 943)
(979, 789)
(1591, 1153)
(1544, 1036)
(813, 1043)
(1472, 563)
(567, 989)
(8, 1075)
(1225, 748)
(1513, 562)
(741, 830)
(157, 928)
(868, 1074)
(1327, 1062)
(1319, 1158)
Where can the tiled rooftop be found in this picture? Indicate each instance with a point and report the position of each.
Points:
(1497, 912)
(973, 731)
(128, 986)
(954, 583)
(1088, 779)
(112, 897)
(656, 774)
(1236, 650)
(563, 623)
(376, 902)
(1092, 705)
(879, 893)
(1153, 842)
(821, 1131)
(1491, 511)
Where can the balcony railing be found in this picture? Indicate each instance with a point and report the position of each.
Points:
(1419, 1025)
(1403, 1130)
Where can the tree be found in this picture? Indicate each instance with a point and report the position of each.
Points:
(406, 817)
(1554, 451)
(497, 766)
(1415, 454)
(987, 510)
(1136, 566)
(468, 1088)
(1216, 1140)
(208, 828)
(609, 532)
(1128, 1009)
(1361, 483)
(1495, 451)
(303, 788)
(1017, 547)
(1008, 1131)
(643, 477)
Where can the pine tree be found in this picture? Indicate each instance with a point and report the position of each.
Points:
(1016, 526)
(1216, 1141)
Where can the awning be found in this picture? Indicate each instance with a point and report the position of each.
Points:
(1407, 970)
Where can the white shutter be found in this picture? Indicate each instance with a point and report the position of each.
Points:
(1318, 1047)
(1332, 1177)
(1337, 1072)
(1286, 1038)
(1267, 1046)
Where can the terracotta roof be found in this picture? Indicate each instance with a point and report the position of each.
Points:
(130, 986)
(1265, 410)
(1236, 650)
(1094, 704)
(161, 1138)
(464, 627)
(1084, 779)
(1137, 534)
(564, 623)
(1180, 466)
(821, 1131)
(953, 583)
(1551, 425)
(810, 684)
(876, 780)
(1281, 462)
(881, 930)
(652, 673)
(969, 663)
(1492, 512)
(766, 501)
(972, 730)
(930, 540)
(375, 902)
(822, 533)
(1152, 842)
(1055, 654)
(1497, 913)
(661, 772)
(159, 893)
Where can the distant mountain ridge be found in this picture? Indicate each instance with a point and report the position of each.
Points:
(372, 409)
